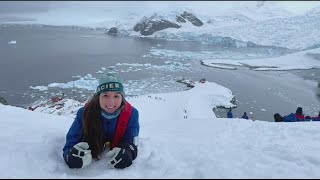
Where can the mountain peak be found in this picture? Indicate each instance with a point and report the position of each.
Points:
(260, 3)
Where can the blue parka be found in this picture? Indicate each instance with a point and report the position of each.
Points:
(74, 134)
(229, 114)
(244, 116)
(290, 118)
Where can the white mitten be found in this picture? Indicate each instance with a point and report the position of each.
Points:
(111, 157)
(79, 156)
(119, 157)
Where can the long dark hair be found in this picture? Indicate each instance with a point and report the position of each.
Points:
(92, 127)
(299, 110)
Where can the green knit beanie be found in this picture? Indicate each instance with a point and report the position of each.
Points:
(110, 82)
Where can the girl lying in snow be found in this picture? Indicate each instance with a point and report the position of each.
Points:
(106, 123)
(298, 116)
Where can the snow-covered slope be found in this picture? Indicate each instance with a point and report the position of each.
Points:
(259, 11)
(296, 61)
(170, 145)
(219, 96)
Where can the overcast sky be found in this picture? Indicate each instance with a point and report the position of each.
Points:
(12, 7)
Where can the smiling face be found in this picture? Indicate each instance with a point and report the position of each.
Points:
(110, 101)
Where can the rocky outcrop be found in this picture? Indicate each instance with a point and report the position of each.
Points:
(3, 101)
(180, 19)
(143, 23)
(154, 23)
(113, 31)
(148, 26)
(154, 26)
(192, 18)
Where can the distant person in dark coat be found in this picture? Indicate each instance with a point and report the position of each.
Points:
(244, 116)
(229, 114)
(316, 118)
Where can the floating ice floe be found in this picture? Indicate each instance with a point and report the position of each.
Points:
(40, 88)
(12, 42)
(218, 66)
(300, 60)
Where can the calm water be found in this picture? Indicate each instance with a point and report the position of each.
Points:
(43, 55)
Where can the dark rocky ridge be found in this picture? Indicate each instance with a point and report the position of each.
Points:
(149, 25)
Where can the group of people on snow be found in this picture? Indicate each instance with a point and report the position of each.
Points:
(292, 117)
(230, 115)
(295, 117)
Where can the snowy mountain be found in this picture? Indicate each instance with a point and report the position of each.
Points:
(249, 24)
(149, 25)
(254, 23)
(249, 27)
(299, 32)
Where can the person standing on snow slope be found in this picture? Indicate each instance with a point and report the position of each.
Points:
(244, 116)
(107, 123)
(229, 114)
